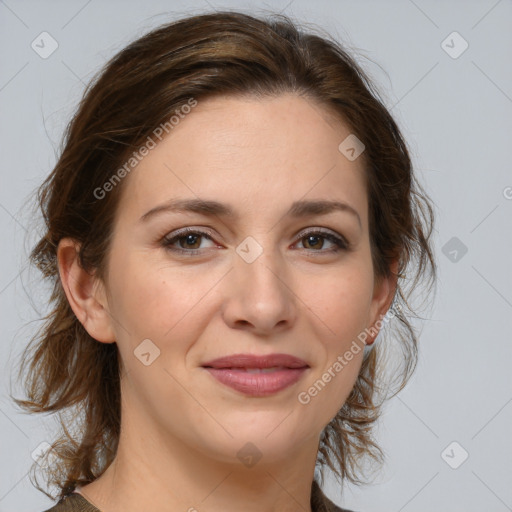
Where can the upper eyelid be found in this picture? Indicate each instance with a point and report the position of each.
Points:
(325, 231)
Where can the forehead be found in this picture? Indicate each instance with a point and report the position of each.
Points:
(249, 152)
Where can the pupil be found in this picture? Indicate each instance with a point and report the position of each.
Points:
(190, 239)
(312, 237)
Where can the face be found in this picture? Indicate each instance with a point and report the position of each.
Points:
(269, 276)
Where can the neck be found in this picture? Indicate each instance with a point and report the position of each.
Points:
(162, 472)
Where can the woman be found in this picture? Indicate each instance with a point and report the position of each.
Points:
(228, 230)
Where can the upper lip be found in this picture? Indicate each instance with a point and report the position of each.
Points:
(253, 361)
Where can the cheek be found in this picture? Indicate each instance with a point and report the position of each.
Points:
(342, 311)
(341, 302)
(156, 302)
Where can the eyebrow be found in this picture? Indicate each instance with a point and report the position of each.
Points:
(213, 208)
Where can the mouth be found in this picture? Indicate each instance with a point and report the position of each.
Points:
(257, 382)
(257, 376)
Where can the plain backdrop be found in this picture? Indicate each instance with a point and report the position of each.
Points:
(444, 69)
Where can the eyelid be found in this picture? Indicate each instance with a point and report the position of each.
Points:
(190, 229)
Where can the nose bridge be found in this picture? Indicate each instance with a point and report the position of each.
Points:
(258, 293)
(259, 268)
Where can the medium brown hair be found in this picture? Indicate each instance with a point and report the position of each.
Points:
(139, 89)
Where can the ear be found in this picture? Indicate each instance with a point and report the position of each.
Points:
(383, 293)
(85, 293)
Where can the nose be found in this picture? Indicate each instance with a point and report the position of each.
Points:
(258, 296)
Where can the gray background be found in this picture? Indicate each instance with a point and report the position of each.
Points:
(456, 116)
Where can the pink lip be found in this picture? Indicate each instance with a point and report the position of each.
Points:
(253, 361)
(257, 384)
(231, 371)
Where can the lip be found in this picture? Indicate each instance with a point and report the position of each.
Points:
(257, 384)
(232, 371)
(254, 361)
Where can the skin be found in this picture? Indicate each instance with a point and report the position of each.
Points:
(181, 429)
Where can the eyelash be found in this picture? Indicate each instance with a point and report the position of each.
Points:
(340, 243)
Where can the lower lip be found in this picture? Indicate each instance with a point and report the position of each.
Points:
(257, 384)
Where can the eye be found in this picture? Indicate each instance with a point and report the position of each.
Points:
(189, 241)
(315, 240)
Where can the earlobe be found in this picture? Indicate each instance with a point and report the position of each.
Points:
(384, 291)
(85, 293)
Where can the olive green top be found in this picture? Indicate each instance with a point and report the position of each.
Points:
(75, 502)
